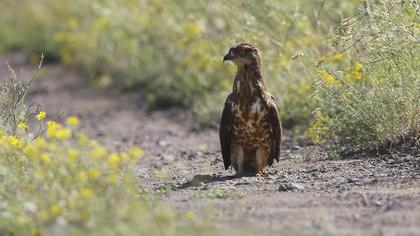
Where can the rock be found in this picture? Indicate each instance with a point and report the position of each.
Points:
(245, 181)
(296, 147)
(314, 174)
(352, 180)
(377, 203)
(285, 187)
(162, 143)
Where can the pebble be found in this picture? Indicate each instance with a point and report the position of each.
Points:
(285, 187)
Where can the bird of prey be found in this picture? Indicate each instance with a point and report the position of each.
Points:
(250, 128)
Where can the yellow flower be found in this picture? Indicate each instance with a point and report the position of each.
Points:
(23, 126)
(52, 128)
(358, 66)
(328, 78)
(15, 141)
(357, 73)
(190, 215)
(41, 115)
(57, 131)
(63, 134)
(82, 176)
(98, 152)
(113, 160)
(39, 142)
(136, 152)
(51, 124)
(72, 23)
(338, 57)
(86, 192)
(94, 173)
(73, 121)
(73, 153)
(193, 29)
(45, 157)
(55, 209)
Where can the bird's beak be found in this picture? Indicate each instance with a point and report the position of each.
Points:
(227, 57)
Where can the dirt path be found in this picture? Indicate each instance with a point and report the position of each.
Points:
(371, 196)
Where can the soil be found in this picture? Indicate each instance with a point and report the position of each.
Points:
(306, 192)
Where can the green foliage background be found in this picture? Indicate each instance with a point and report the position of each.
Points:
(171, 51)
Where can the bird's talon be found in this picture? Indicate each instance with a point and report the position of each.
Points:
(262, 173)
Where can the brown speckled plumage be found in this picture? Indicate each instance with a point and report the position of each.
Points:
(250, 129)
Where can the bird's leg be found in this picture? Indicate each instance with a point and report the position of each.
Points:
(262, 173)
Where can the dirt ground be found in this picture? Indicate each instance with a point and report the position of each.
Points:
(305, 192)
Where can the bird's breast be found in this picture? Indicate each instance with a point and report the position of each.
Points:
(250, 124)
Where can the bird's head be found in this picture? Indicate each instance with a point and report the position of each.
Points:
(243, 54)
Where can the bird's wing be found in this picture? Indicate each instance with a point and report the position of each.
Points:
(225, 132)
(275, 126)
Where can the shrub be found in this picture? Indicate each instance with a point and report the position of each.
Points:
(172, 51)
(374, 101)
(59, 181)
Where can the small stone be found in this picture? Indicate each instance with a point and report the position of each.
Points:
(314, 174)
(377, 203)
(285, 187)
(162, 143)
(352, 180)
(295, 147)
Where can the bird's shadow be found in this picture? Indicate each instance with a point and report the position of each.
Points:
(199, 180)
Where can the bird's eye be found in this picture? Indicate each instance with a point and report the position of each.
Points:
(242, 53)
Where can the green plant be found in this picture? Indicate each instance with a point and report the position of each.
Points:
(62, 182)
(172, 51)
(374, 101)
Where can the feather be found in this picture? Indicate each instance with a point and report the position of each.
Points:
(225, 132)
(275, 126)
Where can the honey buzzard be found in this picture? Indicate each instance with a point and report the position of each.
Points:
(250, 128)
